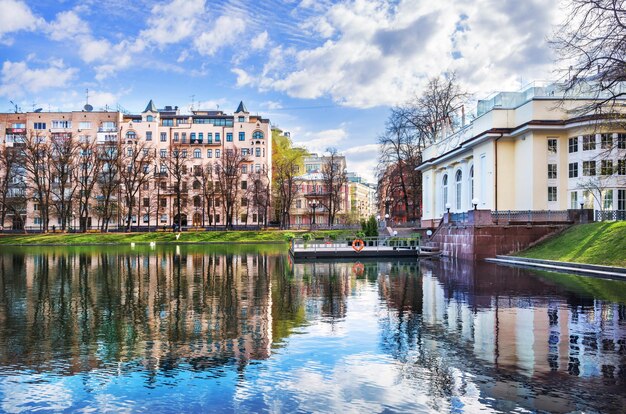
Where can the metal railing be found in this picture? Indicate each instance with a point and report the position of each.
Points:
(529, 216)
(378, 243)
(610, 215)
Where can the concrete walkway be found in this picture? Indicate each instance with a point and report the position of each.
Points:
(563, 267)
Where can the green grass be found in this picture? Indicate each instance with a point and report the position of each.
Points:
(596, 243)
(263, 236)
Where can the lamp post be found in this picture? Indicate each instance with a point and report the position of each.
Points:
(378, 220)
(386, 218)
(582, 203)
(475, 203)
(313, 205)
(448, 206)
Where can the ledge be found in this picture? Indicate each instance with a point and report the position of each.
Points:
(567, 267)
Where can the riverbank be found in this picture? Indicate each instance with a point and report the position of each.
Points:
(239, 236)
(594, 243)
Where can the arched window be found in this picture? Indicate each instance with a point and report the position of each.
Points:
(131, 135)
(459, 187)
(257, 135)
(149, 118)
(445, 191)
(197, 201)
(196, 153)
(471, 185)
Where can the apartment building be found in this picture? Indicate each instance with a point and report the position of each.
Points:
(202, 139)
(528, 150)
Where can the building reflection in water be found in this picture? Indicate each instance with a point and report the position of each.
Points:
(160, 309)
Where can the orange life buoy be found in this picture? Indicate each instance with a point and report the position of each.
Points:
(358, 245)
(358, 268)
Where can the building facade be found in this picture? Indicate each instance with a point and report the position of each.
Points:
(201, 140)
(526, 151)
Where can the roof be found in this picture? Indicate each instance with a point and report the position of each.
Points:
(151, 107)
(241, 108)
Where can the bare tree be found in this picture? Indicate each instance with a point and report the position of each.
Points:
(228, 173)
(209, 190)
(259, 191)
(334, 179)
(36, 155)
(135, 158)
(591, 43)
(87, 172)
(12, 186)
(63, 154)
(177, 165)
(108, 183)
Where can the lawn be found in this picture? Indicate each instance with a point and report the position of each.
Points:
(595, 243)
(263, 236)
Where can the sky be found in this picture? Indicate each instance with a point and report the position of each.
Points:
(326, 71)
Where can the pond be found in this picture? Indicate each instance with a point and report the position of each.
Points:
(243, 328)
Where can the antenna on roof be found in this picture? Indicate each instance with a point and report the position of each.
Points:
(193, 101)
(17, 108)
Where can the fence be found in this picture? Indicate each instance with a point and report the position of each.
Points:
(610, 215)
(376, 242)
(529, 216)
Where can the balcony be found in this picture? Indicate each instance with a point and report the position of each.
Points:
(107, 129)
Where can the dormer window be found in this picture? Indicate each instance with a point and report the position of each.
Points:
(150, 118)
(241, 119)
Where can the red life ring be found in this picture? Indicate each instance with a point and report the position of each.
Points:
(358, 268)
(358, 245)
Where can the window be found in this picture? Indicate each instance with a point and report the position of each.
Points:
(258, 152)
(587, 199)
(244, 185)
(244, 169)
(589, 142)
(589, 168)
(254, 218)
(217, 217)
(37, 220)
(573, 145)
(149, 118)
(163, 153)
(257, 135)
(471, 186)
(145, 152)
(573, 169)
(551, 193)
(229, 137)
(131, 135)
(146, 218)
(39, 125)
(244, 202)
(217, 153)
(200, 137)
(192, 138)
(146, 201)
(184, 154)
(242, 136)
(175, 136)
(196, 184)
(167, 122)
(257, 167)
(196, 153)
(84, 125)
(209, 137)
(551, 171)
(607, 199)
(209, 153)
(621, 141)
(184, 137)
(621, 167)
(148, 135)
(445, 190)
(458, 179)
(621, 200)
(163, 136)
(606, 167)
(244, 151)
(217, 137)
(298, 203)
(552, 145)
(129, 152)
(61, 124)
(573, 199)
(241, 119)
(163, 169)
(163, 218)
(606, 141)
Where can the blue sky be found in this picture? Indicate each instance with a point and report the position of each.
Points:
(327, 71)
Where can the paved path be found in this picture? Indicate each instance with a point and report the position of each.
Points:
(564, 267)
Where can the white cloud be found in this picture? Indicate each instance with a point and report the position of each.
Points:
(320, 141)
(67, 25)
(173, 22)
(18, 78)
(375, 52)
(363, 160)
(260, 41)
(243, 79)
(15, 16)
(225, 31)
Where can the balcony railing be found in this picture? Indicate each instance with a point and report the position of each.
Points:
(611, 215)
(528, 216)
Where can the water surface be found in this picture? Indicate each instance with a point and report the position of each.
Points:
(197, 328)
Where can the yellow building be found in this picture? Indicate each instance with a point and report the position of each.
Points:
(527, 151)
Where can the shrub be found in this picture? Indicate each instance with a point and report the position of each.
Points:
(360, 234)
(372, 227)
(289, 236)
(307, 237)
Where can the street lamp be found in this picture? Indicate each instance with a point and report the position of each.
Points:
(582, 203)
(313, 205)
(448, 207)
(475, 202)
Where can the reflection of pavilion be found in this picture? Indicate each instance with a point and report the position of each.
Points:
(505, 318)
(161, 308)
